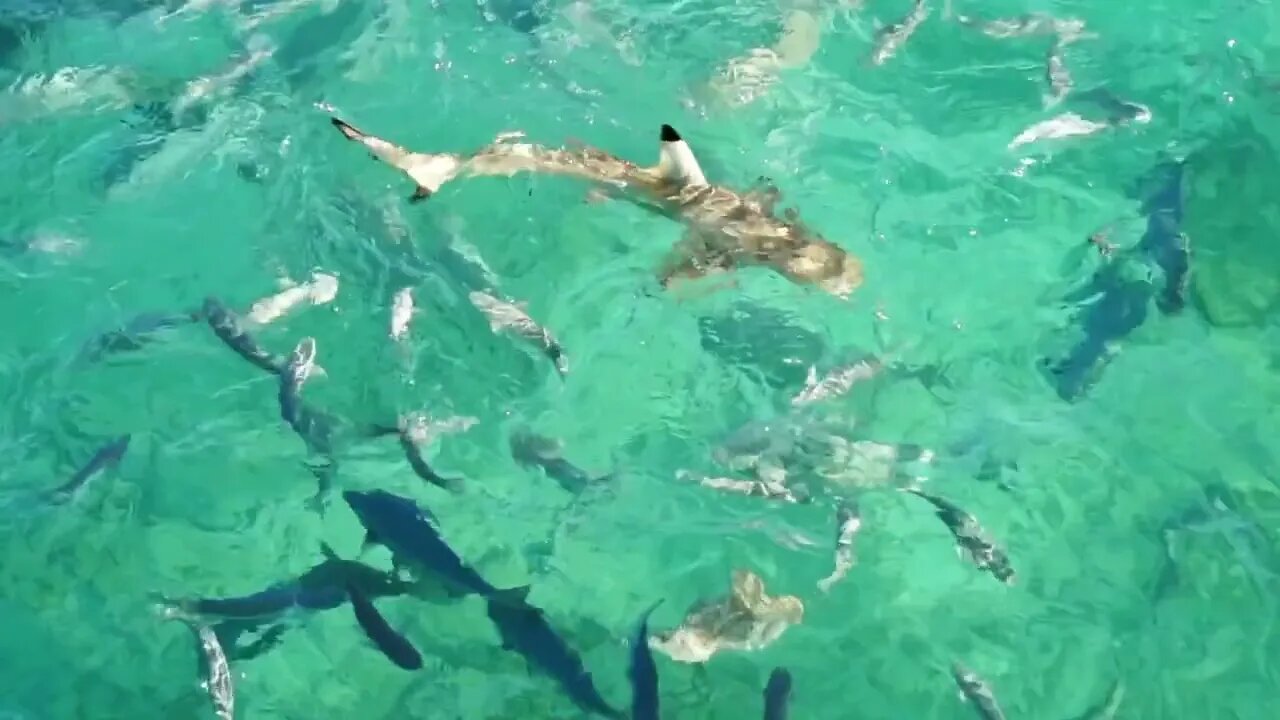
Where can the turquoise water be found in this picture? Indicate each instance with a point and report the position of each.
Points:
(110, 210)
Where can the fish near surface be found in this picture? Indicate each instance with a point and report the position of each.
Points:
(975, 690)
(726, 229)
(643, 672)
(970, 537)
(524, 629)
(514, 317)
(219, 684)
(532, 450)
(777, 694)
(893, 37)
(410, 533)
(106, 458)
(748, 619)
(387, 639)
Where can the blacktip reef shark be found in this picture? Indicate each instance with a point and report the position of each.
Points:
(726, 229)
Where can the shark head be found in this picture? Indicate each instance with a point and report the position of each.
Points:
(676, 161)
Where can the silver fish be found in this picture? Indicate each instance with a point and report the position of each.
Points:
(836, 382)
(401, 312)
(848, 523)
(1067, 31)
(971, 538)
(514, 316)
(1060, 126)
(1056, 73)
(893, 37)
(725, 229)
(977, 691)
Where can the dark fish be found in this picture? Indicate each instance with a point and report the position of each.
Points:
(316, 428)
(533, 450)
(409, 532)
(1120, 292)
(976, 691)
(971, 538)
(1164, 243)
(524, 629)
(413, 453)
(777, 694)
(135, 334)
(107, 457)
(323, 587)
(395, 646)
(226, 324)
(643, 672)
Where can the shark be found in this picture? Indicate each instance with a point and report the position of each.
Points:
(725, 229)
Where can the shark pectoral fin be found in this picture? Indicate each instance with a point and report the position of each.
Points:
(676, 161)
(419, 194)
(370, 539)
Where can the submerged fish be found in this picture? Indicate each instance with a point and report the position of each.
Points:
(748, 619)
(226, 324)
(135, 334)
(315, 428)
(321, 289)
(643, 672)
(976, 691)
(401, 312)
(837, 382)
(514, 316)
(726, 228)
(777, 694)
(107, 457)
(412, 447)
(524, 629)
(395, 646)
(409, 532)
(894, 36)
(971, 538)
(219, 684)
(1057, 74)
(848, 523)
(1060, 126)
(532, 450)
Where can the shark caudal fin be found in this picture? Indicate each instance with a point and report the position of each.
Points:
(428, 171)
(676, 161)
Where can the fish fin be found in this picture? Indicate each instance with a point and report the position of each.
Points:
(370, 538)
(748, 590)
(328, 552)
(512, 597)
(765, 194)
(348, 130)
(429, 171)
(811, 377)
(676, 161)
(419, 194)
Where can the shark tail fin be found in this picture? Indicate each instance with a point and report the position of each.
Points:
(511, 597)
(676, 161)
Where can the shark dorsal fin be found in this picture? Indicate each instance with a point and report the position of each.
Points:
(676, 161)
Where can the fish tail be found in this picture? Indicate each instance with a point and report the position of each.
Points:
(429, 171)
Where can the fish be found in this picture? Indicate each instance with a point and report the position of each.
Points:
(410, 533)
(219, 685)
(106, 458)
(777, 694)
(387, 639)
(412, 448)
(524, 629)
(401, 312)
(837, 382)
(1068, 30)
(975, 690)
(747, 619)
(317, 429)
(643, 672)
(532, 450)
(1057, 74)
(892, 37)
(1060, 126)
(1116, 300)
(321, 289)
(971, 537)
(323, 587)
(848, 523)
(514, 316)
(226, 324)
(725, 228)
(135, 334)
(770, 490)
(1107, 707)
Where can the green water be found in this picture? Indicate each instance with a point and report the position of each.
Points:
(968, 247)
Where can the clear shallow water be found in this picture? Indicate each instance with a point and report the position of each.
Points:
(967, 255)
